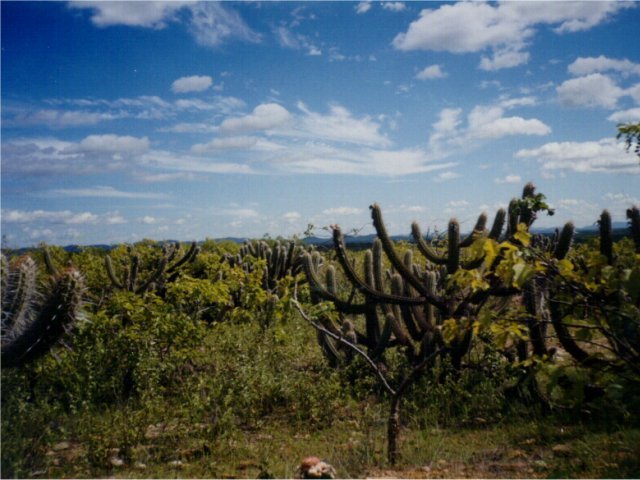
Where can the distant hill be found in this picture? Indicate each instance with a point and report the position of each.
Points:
(619, 229)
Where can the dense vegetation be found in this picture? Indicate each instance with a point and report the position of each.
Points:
(510, 354)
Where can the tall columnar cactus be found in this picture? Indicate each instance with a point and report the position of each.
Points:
(33, 320)
(167, 269)
(633, 214)
(280, 260)
(407, 305)
(616, 306)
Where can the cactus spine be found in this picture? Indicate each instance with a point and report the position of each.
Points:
(34, 321)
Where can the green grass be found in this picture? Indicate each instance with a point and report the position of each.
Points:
(245, 402)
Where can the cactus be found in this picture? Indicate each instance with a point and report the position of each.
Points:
(411, 299)
(633, 214)
(280, 259)
(33, 321)
(166, 271)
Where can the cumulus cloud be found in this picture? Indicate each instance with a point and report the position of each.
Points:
(291, 217)
(505, 28)
(505, 58)
(603, 156)
(509, 179)
(631, 115)
(489, 123)
(363, 7)
(484, 122)
(265, 116)
(431, 72)
(587, 65)
(194, 83)
(394, 6)
(594, 90)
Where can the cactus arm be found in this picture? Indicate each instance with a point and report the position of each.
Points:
(361, 285)
(111, 273)
(189, 256)
(564, 337)
(564, 241)
(606, 240)
(498, 224)
(513, 214)
(162, 265)
(326, 294)
(59, 310)
(407, 275)
(425, 249)
(19, 295)
(385, 336)
(477, 231)
(48, 261)
(133, 273)
(633, 214)
(453, 246)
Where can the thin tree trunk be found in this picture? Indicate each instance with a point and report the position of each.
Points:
(393, 430)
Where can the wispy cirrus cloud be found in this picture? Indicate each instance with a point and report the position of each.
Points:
(210, 23)
(105, 192)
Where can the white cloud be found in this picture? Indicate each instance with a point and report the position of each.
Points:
(112, 144)
(236, 143)
(394, 6)
(509, 179)
(363, 7)
(239, 212)
(605, 156)
(61, 118)
(66, 217)
(134, 14)
(95, 153)
(431, 72)
(164, 177)
(587, 65)
(504, 58)
(148, 220)
(213, 22)
(264, 117)
(594, 90)
(444, 176)
(339, 125)
(342, 211)
(194, 83)
(625, 116)
(291, 217)
(295, 41)
(505, 28)
(489, 123)
(210, 23)
(106, 192)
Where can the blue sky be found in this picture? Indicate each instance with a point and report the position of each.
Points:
(182, 120)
